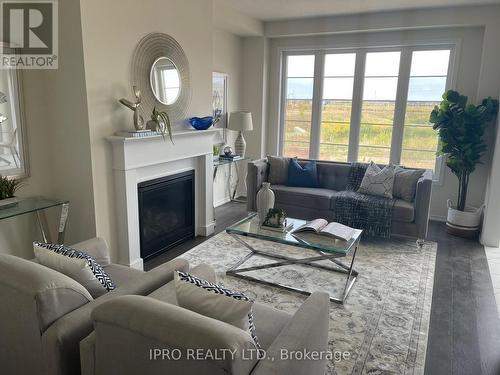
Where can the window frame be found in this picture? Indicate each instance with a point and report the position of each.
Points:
(357, 97)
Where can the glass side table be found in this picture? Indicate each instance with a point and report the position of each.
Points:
(38, 205)
(220, 162)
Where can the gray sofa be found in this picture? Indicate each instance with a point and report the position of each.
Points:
(128, 327)
(408, 218)
(44, 314)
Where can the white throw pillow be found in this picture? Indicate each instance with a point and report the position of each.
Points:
(378, 182)
(76, 264)
(215, 301)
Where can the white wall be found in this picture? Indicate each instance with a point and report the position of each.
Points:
(69, 131)
(58, 143)
(228, 58)
(254, 95)
(17, 234)
(490, 235)
(477, 28)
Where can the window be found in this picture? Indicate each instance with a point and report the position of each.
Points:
(298, 108)
(379, 103)
(338, 84)
(363, 105)
(428, 74)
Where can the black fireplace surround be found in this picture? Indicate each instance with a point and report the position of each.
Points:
(166, 213)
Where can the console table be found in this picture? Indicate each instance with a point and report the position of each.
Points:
(38, 205)
(219, 162)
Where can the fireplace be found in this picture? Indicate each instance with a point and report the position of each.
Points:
(166, 213)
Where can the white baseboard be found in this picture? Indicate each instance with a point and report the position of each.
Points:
(438, 218)
(206, 230)
(137, 264)
(222, 201)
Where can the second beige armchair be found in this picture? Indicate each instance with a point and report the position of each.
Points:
(153, 335)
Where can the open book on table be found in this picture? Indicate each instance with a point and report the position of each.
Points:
(323, 227)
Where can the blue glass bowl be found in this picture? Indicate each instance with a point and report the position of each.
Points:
(202, 123)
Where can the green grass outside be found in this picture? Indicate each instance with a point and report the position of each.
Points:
(419, 140)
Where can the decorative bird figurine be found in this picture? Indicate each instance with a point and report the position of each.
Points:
(134, 106)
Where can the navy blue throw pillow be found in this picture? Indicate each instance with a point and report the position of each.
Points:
(299, 176)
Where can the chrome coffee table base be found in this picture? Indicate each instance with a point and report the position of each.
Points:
(347, 269)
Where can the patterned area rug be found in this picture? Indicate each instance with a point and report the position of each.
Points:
(384, 322)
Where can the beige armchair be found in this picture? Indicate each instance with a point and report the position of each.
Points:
(44, 314)
(153, 335)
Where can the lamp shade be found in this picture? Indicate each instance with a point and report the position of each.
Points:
(241, 121)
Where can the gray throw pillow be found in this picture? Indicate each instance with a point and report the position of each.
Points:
(215, 301)
(378, 182)
(405, 183)
(76, 264)
(278, 170)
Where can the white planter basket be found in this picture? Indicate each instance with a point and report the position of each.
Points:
(464, 223)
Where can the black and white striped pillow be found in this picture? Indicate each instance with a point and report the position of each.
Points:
(95, 267)
(221, 290)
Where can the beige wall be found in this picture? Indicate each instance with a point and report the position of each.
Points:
(58, 142)
(254, 95)
(17, 234)
(111, 30)
(69, 130)
(228, 58)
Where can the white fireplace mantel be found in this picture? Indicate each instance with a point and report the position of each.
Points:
(137, 160)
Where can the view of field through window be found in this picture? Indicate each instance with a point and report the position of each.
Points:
(427, 82)
(338, 84)
(428, 74)
(298, 111)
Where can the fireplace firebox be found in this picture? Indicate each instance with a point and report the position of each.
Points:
(166, 213)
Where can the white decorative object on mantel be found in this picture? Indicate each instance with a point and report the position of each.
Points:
(265, 201)
(142, 159)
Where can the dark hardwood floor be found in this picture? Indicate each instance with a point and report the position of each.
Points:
(464, 334)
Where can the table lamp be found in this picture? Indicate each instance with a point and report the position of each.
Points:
(240, 121)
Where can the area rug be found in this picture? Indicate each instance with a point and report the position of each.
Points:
(384, 323)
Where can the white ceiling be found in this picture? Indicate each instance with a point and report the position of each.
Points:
(267, 10)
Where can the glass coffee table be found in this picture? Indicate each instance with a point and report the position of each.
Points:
(327, 249)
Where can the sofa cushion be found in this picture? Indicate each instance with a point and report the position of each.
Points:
(48, 293)
(122, 274)
(215, 301)
(403, 211)
(76, 264)
(405, 183)
(269, 322)
(333, 176)
(278, 169)
(378, 181)
(167, 292)
(305, 175)
(303, 197)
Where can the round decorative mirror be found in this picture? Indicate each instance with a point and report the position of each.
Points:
(160, 70)
(165, 81)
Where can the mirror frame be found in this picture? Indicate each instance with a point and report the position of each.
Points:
(24, 170)
(151, 80)
(150, 48)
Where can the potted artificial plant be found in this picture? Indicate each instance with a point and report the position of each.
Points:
(461, 128)
(8, 188)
